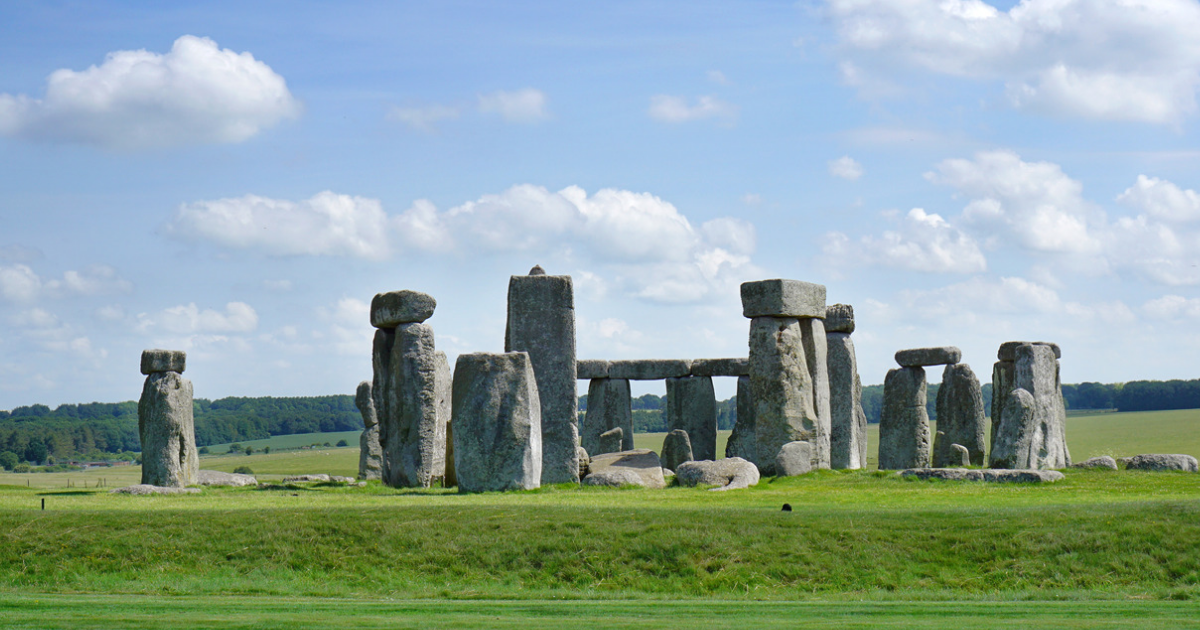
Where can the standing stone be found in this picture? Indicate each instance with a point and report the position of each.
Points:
(165, 424)
(904, 422)
(692, 406)
(1033, 435)
(381, 382)
(963, 453)
(610, 441)
(541, 322)
(370, 455)
(444, 389)
(847, 420)
(676, 449)
(497, 423)
(960, 417)
(788, 397)
(608, 407)
(413, 434)
(795, 458)
(1003, 374)
(742, 442)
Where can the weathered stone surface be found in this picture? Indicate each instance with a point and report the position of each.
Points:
(1008, 349)
(963, 474)
(847, 420)
(920, 357)
(608, 407)
(537, 270)
(370, 454)
(413, 436)
(1003, 375)
(541, 322)
(839, 318)
(591, 368)
(960, 418)
(1158, 461)
(649, 369)
(1103, 461)
(443, 388)
(218, 478)
(156, 361)
(783, 298)
(1037, 439)
(795, 458)
(676, 449)
(721, 367)
(610, 441)
(584, 460)
(692, 406)
(308, 478)
(961, 452)
(789, 381)
(638, 467)
(144, 488)
(165, 423)
(391, 309)
(497, 423)
(742, 442)
(731, 473)
(1015, 440)
(904, 422)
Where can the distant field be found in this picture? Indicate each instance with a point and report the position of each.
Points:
(294, 441)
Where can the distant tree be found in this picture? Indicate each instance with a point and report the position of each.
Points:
(327, 444)
(266, 449)
(243, 470)
(204, 450)
(343, 443)
(9, 460)
(235, 447)
(249, 450)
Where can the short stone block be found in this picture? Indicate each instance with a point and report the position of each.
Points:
(591, 368)
(783, 298)
(839, 318)
(155, 361)
(1008, 349)
(389, 310)
(920, 357)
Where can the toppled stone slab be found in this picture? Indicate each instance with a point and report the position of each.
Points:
(731, 473)
(962, 474)
(794, 458)
(218, 478)
(1008, 349)
(783, 298)
(920, 357)
(317, 478)
(638, 467)
(1103, 461)
(1158, 461)
(676, 449)
(649, 369)
(155, 361)
(389, 310)
(721, 367)
(145, 488)
(591, 368)
(839, 318)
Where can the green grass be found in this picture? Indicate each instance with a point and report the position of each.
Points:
(281, 442)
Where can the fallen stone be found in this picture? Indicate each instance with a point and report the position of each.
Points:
(370, 453)
(591, 368)
(667, 472)
(962, 474)
(741, 442)
(1103, 461)
(308, 478)
(391, 309)
(839, 318)
(795, 458)
(167, 431)
(964, 453)
(638, 467)
(676, 449)
(731, 473)
(497, 423)
(782, 298)
(649, 369)
(721, 367)
(145, 488)
(789, 380)
(155, 361)
(218, 478)
(692, 406)
(608, 407)
(610, 441)
(960, 418)
(1008, 349)
(904, 422)
(920, 357)
(847, 420)
(1156, 461)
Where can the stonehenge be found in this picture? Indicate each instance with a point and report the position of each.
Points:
(608, 407)
(165, 423)
(497, 419)
(795, 458)
(676, 449)
(1029, 418)
(638, 467)
(731, 473)
(848, 422)
(904, 422)
(960, 418)
(692, 407)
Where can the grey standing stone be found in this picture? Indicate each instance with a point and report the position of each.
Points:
(608, 407)
(795, 458)
(1039, 440)
(919, 357)
(497, 423)
(381, 381)
(839, 318)
(782, 298)
(169, 456)
(649, 369)
(1008, 349)
(1159, 461)
(676, 449)
(742, 442)
(155, 361)
(444, 391)
(692, 406)
(848, 421)
(541, 322)
(731, 473)
(963, 453)
(1003, 375)
(389, 310)
(638, 467)
(370, 454)
(785, 390)
(961, 419)
(610, 441)
(904, 422)
(413, 434)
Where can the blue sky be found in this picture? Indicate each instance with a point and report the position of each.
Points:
(238, 179)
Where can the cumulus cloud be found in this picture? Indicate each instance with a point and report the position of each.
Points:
(195, 94)
(1134, 60)
(188, 319)
(19, 283)
(923, 242)
(522, 106)
(327, 224)
(424, 119)
(846, 168)
(675, 109)
(1172, 307)
(1162, 200)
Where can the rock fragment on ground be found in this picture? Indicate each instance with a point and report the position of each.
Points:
(218, 478)
(1159, 461)
(1003, 475)
(731, 473)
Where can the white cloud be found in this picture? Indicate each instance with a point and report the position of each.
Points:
(196, 93)
(110, 312)
(238, 317)
(1132, 60)
(522, 106)
(752, 199)
(923, 242)
(424, 119)
(846, 168)
(1162, 200)
(675, 109)
(35, 318)
(19, 283)
(1172, 307)
(350, 330)
(328, 224)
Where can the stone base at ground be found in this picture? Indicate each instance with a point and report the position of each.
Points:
(218, 478)
(145, 488)
(638, 467)
(731, 473)
(962, 474)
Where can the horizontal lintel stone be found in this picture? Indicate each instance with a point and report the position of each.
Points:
(917, 357)
(391, 309)
(155, 361)
(839, 318)
(783, 298)
(591, 368)
(721, 367)
(649, 369)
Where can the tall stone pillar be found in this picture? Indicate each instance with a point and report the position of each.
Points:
(904, 438)
(1030, 428)
(497, 423)
(608, 407)
(370, 456)
(742, 441)
(541, 322)
(789, 374)
(692, 406)
(960, 418)
(848, 421)
(165, 423)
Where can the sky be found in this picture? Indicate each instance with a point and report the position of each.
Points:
(237, 180)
